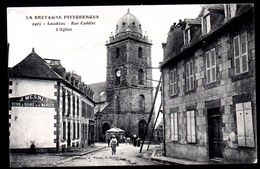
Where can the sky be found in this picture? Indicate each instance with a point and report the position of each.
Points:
(83, 49)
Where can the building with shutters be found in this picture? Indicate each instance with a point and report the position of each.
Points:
(209, 91)
(125, 100)
(48, 107)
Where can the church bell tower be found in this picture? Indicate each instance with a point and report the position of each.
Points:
(129, 88)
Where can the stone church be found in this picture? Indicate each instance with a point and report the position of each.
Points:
(125, 100)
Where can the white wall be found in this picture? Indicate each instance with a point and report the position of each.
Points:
(32, 123)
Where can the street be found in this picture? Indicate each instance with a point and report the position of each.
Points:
(126, 154)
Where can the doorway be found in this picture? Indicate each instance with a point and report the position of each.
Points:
(142, 127)
(68, 141)
(214, 133)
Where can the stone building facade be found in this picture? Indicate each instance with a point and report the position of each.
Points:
(209, 91)
(128, 90)
(48, 107)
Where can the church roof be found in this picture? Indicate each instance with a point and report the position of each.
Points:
(99, 91)
(128, 22)
(33, 66)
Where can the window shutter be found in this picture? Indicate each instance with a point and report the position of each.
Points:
(243, 43)
(175, 126)
(249, 130)
(172, 126)
(188, 126)
(193, 132)
(207, 60)
(240, 125)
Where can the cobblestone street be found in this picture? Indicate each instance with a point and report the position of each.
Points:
(98, 155)
(125, 155)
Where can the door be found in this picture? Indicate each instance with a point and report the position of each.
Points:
(214, 133)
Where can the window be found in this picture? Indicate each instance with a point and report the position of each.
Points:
(245, 130)
(73, 105)
(10, 83)
(83, 109)
(174, 126)
(77, 106)
(211, 66)
(74, 130)
(142, 102)
(64, 130)
(78, 130)
(240, 53)
(187, 36)
(227, 11)
(117, 53)
(63, 102)
(140, 52)
(206, 24)
(189, 75)
(173, 82)
(191, 131)
(69, 103)
(140, 77)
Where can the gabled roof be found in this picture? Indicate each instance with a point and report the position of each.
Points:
(33, 66)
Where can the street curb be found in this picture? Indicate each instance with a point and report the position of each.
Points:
(175, 162)
(77, 156)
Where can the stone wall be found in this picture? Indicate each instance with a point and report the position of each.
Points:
(226, 89)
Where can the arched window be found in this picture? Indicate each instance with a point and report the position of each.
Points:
(140, 77)
(117, 53)
(142, 102)
(140, 52)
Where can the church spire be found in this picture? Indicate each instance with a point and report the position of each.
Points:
(33, 50)
(128, 10)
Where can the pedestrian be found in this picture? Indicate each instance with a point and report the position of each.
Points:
(113, 143)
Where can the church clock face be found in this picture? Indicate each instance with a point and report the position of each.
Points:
(118, 73)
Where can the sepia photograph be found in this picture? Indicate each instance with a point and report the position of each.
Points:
(132, 85)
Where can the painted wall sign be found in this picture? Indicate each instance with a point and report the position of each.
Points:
(32, 100)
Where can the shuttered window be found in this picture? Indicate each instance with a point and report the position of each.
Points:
(173, 82)
(245, 130)
(189, 75)
(174, 126)
(191, 127)
(211, 66)
(240, 53)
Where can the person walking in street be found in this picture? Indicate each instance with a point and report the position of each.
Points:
(113, 143)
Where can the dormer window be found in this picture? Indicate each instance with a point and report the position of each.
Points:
(187, 36)
(230, 10)
(206, 25)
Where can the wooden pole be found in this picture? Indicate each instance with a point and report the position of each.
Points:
(154, 127)
(151, 113)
